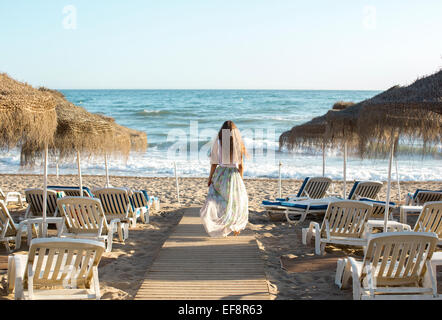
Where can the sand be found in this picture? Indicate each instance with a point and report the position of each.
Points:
(122, 270)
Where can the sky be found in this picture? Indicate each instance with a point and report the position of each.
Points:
(220, 44)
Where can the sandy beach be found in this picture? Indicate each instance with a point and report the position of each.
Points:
(121, 271)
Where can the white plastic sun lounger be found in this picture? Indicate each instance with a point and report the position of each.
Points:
(56, 268)
(142, 203)
(12, 197)
(301, 208)
(34, 197)
(420, 197)
(343, 223)
(430, 219)
(311, 188)
(365, 189)
(84, 217)
(116, 205)
(396, 266)
(10, 231)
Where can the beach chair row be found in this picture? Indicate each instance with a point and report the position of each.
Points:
(114, 206)
(313, 198)
(397, 264)
(70, 261)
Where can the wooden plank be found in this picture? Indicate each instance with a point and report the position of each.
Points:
(191, 265)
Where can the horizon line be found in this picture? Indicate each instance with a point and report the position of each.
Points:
(226, 89)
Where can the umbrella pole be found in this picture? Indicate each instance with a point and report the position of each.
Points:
(345, 169)
(390, 160)
(79, 173)
(398, 182)
(45, 192)
(107, 170)
(279, 182)
(323, 160)
(177, 185)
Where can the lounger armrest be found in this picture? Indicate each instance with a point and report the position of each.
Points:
(61, 230)
(16, 272)
(327, 229)
(5, 229)
(356, 271)
(113, 223)
(14, 194)
(432, 281)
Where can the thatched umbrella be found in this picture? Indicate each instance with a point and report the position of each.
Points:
(412, 113)
(309, 134)
(80, 132)
(313, 133)
(27, 116)
(138, 140)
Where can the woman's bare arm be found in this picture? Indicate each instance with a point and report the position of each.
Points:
(241, 168)
(212, 170)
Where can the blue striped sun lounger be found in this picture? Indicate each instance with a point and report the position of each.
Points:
(72, 191)
(300, 208)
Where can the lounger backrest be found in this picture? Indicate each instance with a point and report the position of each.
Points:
(315, 188)
(72, 191)
(430, 218)
(34, 197)
(62, 261)
(427, 196)
(345, 218)
(5, 217)
(378, 208)
(83, 215)
(115, 202)
(2, 195)
(138, 199)
(365, 189)
(398, 258)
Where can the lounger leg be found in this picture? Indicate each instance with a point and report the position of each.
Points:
(346, 274)
(6, 243)
(340, 265)
(96, 283)
(120, 232)
(307, 233)
(125, 231)
(11, 273)
(109, 241)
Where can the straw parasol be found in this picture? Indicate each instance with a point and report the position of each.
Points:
(27, 116)
(314, 133)
(80, 132)
(412, 113)
(137, 139)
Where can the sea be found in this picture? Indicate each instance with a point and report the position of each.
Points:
(180, 125)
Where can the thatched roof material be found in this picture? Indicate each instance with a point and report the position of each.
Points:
(91, 134)
(311, 133)
(413, 113)
(27, 115)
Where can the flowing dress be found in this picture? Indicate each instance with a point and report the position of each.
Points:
(226, 208)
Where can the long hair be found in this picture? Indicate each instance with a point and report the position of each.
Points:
(235, 139)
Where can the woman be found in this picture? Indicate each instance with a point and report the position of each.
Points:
(226, 208)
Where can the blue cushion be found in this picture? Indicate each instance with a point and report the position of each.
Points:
(353, 190)
(271, 203)
(281, 199)
(304, 206)
(89, 192)
(376, 201)
(302, 186)
(418, 190)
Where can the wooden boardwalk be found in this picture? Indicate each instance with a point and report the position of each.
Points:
(191, 265)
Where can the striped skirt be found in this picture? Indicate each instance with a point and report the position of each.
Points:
(226, 208)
